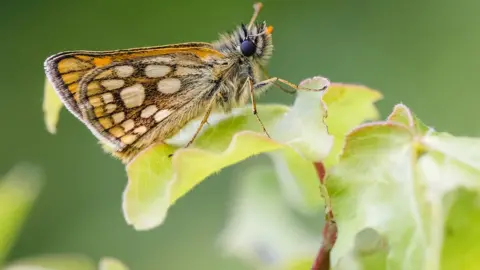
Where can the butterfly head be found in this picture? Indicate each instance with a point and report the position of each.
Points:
(253, 42)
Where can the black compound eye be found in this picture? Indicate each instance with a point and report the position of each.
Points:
(248, 48)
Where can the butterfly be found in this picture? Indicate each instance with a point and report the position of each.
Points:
(131, 99)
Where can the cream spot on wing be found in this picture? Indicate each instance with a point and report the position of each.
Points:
(124, 71)
(110, 108)
(133, 96)
(112, 84)
(182, 71)
(128, 125)
(118, 117)
(159, 116)
(107, 97)
(169, 85)
(128, 139)
(149, 111)
(140, 130)
(157, 71)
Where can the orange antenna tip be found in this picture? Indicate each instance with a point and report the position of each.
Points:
(269, 29)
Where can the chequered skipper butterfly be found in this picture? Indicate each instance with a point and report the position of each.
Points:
(131, 99)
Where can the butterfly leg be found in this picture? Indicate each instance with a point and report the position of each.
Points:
(276, 81)
(254, 105)
(202, 123)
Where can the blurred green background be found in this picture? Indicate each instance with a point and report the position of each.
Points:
(422, 53)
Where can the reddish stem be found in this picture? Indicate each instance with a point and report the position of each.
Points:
(322, 261)
(320, 171)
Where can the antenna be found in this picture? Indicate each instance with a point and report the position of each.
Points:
(256, 7)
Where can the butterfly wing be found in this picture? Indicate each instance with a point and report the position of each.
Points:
(131, 98)
(66, 69)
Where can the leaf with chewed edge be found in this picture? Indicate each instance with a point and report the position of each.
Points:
(348, 105)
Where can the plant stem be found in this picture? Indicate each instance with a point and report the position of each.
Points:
(322, 261)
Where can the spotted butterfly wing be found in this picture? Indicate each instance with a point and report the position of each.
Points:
(132, 98)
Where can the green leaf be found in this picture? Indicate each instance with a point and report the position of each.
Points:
(157, 181)
(392, 194)
(53, 262)
(348, 105)
(299, 181)
(51, 107)
(460, 247)
(109, 263)
(18, 190)
(261, 229)
(401, 114)
(303, 128)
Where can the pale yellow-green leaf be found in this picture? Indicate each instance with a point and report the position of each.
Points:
(348, 105)
(306, 134)
(461, 249)
(401, 114)
(51, 107)
(399, 182)
(299, 181)
(303, 127)
(157, 181)
(18, 190)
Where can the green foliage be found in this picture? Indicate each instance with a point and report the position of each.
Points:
(397, 193)
(156, 181)
(299, 136)
(348, 106)
(403, 195)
